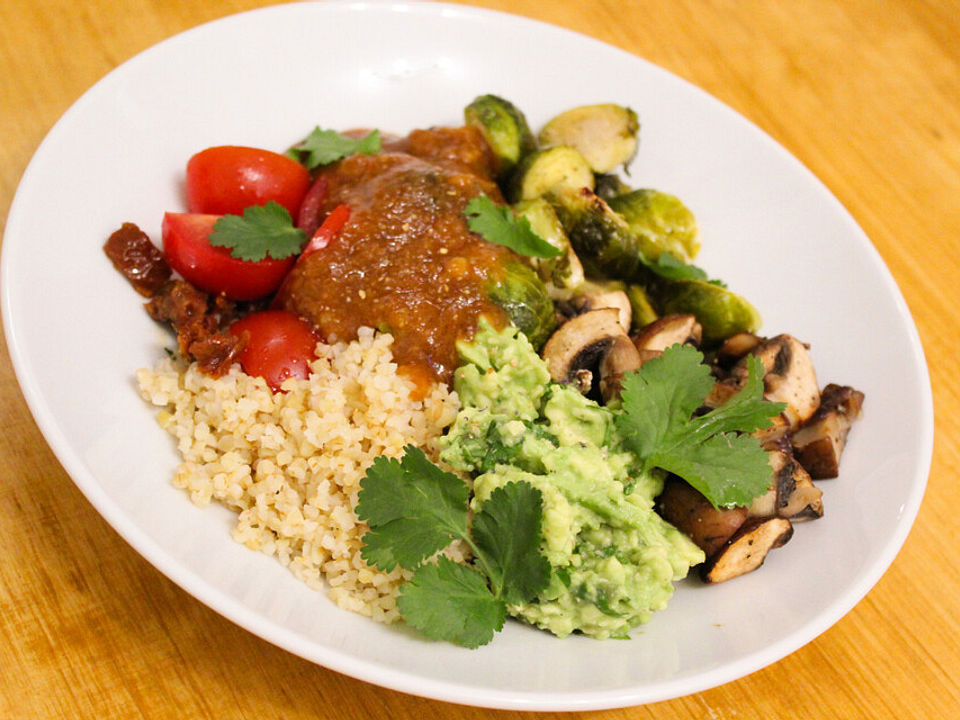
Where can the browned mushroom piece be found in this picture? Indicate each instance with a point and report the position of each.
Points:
(792, 494)
(597, 297)
(669, 330)
(684, 507)
(819, 444)
(622, 357)
(580, 343)
(789, 377)
(747, 549)
(736, 346)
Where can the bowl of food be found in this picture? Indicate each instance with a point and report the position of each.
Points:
(490, 378)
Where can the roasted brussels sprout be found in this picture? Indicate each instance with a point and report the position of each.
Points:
(606, 135)
(721, 313)
(504, 127)
(522, 295)
(555, 169)
(609, 185)
(561, 274)
(660, 222)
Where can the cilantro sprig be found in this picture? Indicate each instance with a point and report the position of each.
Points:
(498, 224)
(713, 452)
(322, 147)
(262, 230)
(414, 509)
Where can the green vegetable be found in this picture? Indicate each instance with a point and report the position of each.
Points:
(498, 224)
(606, 243)
(322, 147)
(520, 292)
(415, 509)
(555, 169)
(564, 272)
(262, 230)
(712, 452)
(504, 127)
(641, 311)
(606, 134)
(661, 223)
(609, 185)
(721, 312)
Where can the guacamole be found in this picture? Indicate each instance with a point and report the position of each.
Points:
(613, 559)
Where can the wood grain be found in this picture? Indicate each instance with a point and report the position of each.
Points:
(866, 93)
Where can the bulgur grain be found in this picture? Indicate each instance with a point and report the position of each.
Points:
(290, 463)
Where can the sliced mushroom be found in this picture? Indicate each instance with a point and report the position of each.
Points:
(595, 297)
(747, 549)
(792, 494)
(819, 444)
(735, 347)
(579, 343)
(789, 378)
(691, 513)
(622, 357)
(669, 330)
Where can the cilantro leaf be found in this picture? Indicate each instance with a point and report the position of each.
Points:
(498, 224)
(262, 230)
(452, 602)
(414, 509)
(712, 452)
(322, 147)
(507, 535)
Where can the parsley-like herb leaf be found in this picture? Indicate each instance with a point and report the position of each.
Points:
(452, 602)
(507, 535)
(414, 510)
(262, 230)
(712, 452)
(498, 224)
(322, 147)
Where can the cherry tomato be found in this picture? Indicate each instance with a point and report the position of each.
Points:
(280, 345)
(229, 179)
(213, 269)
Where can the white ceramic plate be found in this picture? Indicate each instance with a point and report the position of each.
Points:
(77, 332)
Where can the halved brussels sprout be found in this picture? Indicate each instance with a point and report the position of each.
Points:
(550, 170)
(504, 127)
(661, 222)
(721, 313)
(606, 134)
(642, 312)
(521, 294)
(561, 274)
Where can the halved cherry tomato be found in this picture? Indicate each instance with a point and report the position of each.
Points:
(280, 345)
(229, 179)
(214, 269)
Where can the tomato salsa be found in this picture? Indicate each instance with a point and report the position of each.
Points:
(405, 261)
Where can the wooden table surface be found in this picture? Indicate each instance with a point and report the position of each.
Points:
(866, 93)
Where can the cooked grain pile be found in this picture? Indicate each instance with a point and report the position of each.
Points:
(291, 463)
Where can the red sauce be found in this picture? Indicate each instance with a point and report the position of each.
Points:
(405, 262)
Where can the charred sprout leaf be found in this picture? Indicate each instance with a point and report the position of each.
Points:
(414, 509)
(498, 224)
(322, 147)
(712, 452)
(262, 230)
(506, 532)
(452, 602)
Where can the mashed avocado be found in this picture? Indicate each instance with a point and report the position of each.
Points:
(613, 559)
